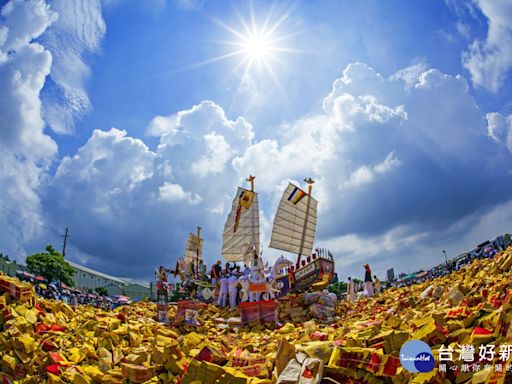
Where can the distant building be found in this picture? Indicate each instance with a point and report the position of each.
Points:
(86, 278)
(136, 289)
(9, 267)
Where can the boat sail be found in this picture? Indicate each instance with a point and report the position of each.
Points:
(194, 251)
(295, 222)
(242, 228)
(294, 231)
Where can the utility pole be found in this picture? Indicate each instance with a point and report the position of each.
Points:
(65, 236)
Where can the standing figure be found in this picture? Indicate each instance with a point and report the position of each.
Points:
(243, 281)
(216, 268)
(291, 277)
(161, 283)
(377, 284)
(368, 280)
(201, 269)
(223, 294)
(351, 290)
(233, 290)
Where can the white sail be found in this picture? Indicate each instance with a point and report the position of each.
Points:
(242, 228)
(193, 252)
(295, 222)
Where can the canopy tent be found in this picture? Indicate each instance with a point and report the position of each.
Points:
(25, 274)
(411, 276)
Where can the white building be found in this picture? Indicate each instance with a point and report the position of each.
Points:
(86, 278)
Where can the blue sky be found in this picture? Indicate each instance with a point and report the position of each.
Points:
(120, 120)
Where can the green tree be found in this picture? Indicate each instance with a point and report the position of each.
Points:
(51, 265)
(508, 239)
(337, 288)
(102, 291)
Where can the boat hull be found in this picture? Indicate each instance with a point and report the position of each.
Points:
(320, 270)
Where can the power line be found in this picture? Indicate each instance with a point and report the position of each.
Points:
(29, 220)
(53, 231)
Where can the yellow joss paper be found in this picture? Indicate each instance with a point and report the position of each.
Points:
(25, 343)
(137, 373)
(9, 363)
(93, 371)
(81, 379)
(105, 359)
(287, 328)
(31, 316)
(319, 349)
(76, 355)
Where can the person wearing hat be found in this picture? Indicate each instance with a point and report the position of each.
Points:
(368, 280)
(216, 268)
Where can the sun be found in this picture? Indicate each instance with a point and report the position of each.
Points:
(257, 47)
(257, 44)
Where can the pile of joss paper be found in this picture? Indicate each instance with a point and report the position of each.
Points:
(50, 341)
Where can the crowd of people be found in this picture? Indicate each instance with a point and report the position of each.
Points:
(369, 287)
(227, 281)
(75, 297)
(372, 286)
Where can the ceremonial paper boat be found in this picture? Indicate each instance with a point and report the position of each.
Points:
(294, 231)
(241, 238)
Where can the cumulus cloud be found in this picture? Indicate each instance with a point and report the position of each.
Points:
(401, 162)
(499, 128)
(490, 60)
(365, 174)
(153, 197)
(25, 150)
(397, 159)
(174, 193)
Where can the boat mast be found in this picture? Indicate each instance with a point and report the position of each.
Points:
(197, 249)
(251, 180)
(253, 235)
(310, 183)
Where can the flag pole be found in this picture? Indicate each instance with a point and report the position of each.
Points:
(198, 243)
(310, 183)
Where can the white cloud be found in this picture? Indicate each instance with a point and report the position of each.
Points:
(99, 161)
(160, 125)
(126, 189)
(195, 123)
(415, 144)
(24, 22)
(25, 150)
(463, 29)
(390, 162)
(499, 128)
(218, 155)
(490, 60)
(365, 174)
(174, 193)
(77, 33)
